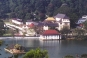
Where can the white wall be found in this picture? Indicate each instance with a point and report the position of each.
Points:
(17, 22)
(45, 28)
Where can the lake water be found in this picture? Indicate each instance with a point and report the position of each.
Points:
(56, 49)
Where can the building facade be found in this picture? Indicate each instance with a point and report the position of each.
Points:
(50, 35)
(63, 21)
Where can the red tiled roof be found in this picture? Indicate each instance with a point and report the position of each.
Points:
(50, 32)
(31, 25)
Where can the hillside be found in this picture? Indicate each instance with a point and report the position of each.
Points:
(38, 9)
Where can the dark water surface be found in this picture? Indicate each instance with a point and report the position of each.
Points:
(56, 49)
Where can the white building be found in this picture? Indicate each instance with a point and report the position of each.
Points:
(81, 20)
(17, 21)
(29, 22)
(50, 35)
(62, 20)
(84, 16)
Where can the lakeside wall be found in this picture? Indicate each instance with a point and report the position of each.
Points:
(17, 38)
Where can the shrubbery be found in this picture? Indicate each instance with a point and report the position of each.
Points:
(68, 56)
(1, 42)
(84, 56)
(37, 53)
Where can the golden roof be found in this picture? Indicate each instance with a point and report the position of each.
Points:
(50, 19)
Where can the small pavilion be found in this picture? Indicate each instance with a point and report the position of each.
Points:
(50, 35)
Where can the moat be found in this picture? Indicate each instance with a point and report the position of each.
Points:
(56, 49)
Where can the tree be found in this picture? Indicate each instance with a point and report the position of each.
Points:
(37, 53)
(50, 9)
(65, 9)
(16, 55)
(68, 56)
(79, 33)
(2, 30)
(1, 42)
(84, 56)
(65, 31)
(85, 25)
(12, 15)
(73, 18)
(29, 16)
(18, 46)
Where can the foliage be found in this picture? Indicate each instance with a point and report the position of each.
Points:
(25, 9)
(79, 33)
(7, 34)
(85, 25)
(1, 42)
(68, 56)
(65, 31)
(16, 55)
(37, 53)
(17, 46)
(64, 9)
(12, 15)
(84, 56)
(2, 29)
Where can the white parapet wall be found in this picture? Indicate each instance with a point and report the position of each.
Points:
(50, 37)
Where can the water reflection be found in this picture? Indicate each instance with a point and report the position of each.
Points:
(50, 43)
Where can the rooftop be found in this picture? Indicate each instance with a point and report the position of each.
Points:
(50, 32)
(61, 16)
(50, 19)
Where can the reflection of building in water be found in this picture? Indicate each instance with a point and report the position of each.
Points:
(50, 43)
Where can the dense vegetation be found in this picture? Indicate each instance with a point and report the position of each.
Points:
(1, 42)
(39, 9)
(2, 29)
(37, 53)
(77, 56)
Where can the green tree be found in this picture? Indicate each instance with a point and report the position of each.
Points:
(37, 53)
(84, 56)
(50, 9)
(12, 15)
(29, 16)
(85, 25)
(1, 42)
(65, 9)
(68, 56)
(79, 33)
(2, 29)
(73, 18)
(65, 31)
(16, 55)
